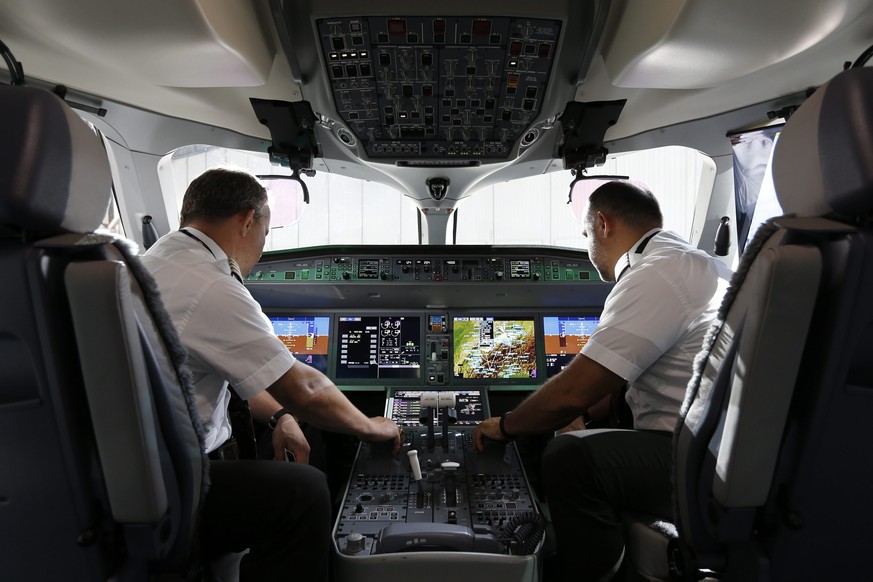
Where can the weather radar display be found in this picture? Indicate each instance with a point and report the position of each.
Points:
(494, 348)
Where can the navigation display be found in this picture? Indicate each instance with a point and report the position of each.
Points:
(494, 348)
(307, 337)
(565, 337)
(404, 407)
(378, 347)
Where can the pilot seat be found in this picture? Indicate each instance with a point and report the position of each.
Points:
(101, 454)
(772, 469)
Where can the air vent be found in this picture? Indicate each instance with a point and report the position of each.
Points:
(530, 137)
(347, 137)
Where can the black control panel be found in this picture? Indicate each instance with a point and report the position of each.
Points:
(427, 268)
(438, 87)
(449, 317)
(438, 494)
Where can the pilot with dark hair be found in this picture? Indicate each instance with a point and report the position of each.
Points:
(652, 326)
(280, 511)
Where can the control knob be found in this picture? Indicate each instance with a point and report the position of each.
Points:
(355, 543)
(347, 275)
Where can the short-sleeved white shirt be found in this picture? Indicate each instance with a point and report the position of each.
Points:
(227, 336)
(654, 322)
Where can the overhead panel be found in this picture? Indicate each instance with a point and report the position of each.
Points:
(437, 87)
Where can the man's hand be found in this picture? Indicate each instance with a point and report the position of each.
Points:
(489, 428)
(288, 436)
(383, 429)
(577, 424)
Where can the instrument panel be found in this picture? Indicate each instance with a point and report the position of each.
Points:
(438, 87)
(440, 277)
(431, 268)
(454, 316)
(417, 325)
(458, 349)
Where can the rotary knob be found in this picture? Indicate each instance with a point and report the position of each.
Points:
(355, 543)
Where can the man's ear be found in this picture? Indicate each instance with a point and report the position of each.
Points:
(604, 223)
(246, 221)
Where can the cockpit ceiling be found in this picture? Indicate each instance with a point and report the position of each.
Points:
(202, 60)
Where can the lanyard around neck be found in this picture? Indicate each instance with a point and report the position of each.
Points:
(234, 266)
(205, 246)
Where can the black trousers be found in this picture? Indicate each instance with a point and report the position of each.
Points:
(280, 511)
(590, 477)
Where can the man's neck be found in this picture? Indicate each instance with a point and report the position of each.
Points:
(219, 233)
(627, 241)
(631, 238)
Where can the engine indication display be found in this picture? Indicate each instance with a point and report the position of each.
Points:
(378, 347)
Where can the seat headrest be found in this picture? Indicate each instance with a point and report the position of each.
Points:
(823, 160)
(54, 171)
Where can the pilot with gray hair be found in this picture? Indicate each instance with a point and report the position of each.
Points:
(280, 511)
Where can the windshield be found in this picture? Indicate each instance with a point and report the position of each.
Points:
(523, 212)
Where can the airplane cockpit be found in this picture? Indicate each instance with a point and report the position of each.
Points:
(428, 169)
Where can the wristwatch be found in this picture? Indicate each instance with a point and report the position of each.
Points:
(274, 420)
(502, 427)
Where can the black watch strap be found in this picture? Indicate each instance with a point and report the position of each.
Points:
(274, 420)
(502, 426)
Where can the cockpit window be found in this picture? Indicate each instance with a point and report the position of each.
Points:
(341, 210)
(112, 220)
(527, 211)
(535, 210)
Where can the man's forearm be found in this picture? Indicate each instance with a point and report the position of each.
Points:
(563, 398)
(263, 406)
(315, 399)
(329, 409)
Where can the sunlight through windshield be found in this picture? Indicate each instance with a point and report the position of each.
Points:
(528, 211)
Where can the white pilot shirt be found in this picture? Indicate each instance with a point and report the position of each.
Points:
(227, 336)
(654, 322)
